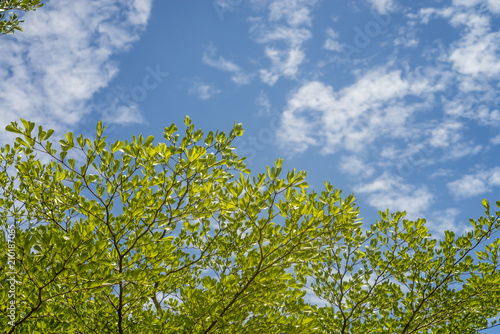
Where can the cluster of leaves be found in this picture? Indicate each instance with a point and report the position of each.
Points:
(177, 237)
(9, 9)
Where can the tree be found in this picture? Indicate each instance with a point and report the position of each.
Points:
(9, 9)
(178, 237)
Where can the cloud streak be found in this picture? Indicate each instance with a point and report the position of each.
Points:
(211, 59)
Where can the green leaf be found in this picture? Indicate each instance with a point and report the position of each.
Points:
(118, 145)
(187, 121)
(486, 205)
(22, 142)
(49, 133)
(149, 140)
(13, 128)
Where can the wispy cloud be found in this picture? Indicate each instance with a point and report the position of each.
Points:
(382, 6)
(492, 5)
(63, 58)
(392, 192)
(356, 166)
(294, 12)
(446, 220)
(210, 58)
(477, 53)
(283, 33)
(470, 185)
(293, 36)
(332, 41)
(263, 103)
(496, 140)
(202, 90)
(116, 108)
(284, 63)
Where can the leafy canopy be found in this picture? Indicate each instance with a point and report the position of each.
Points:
(9, 18)
(176, 236)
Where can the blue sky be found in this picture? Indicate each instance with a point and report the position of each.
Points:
(395, 101)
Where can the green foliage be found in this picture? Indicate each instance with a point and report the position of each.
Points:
(9, 9)
(175, 236)
(395, 279)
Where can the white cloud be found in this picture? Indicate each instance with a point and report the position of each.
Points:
(407, 37)
(477, 101)
(496, 140)
(475, 60)
(446, 134)
(284, 63)
(239, 76)
(295, 12)
(441, 173)
(446, 220)
(292, 36)
(492, 5)
(220, 63)
(475, 184)
(383, 6)
(120, 110)
(63, 57)
(140, 13)
(477, 52)
(377, 105)
(202, 90)
(472, 107)
(331, 42)
(355, 166)
(288, 23)
(263, 103)
(354, 117)
(390, 192)
(467, 3)
(462, 149)
(468, 186)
